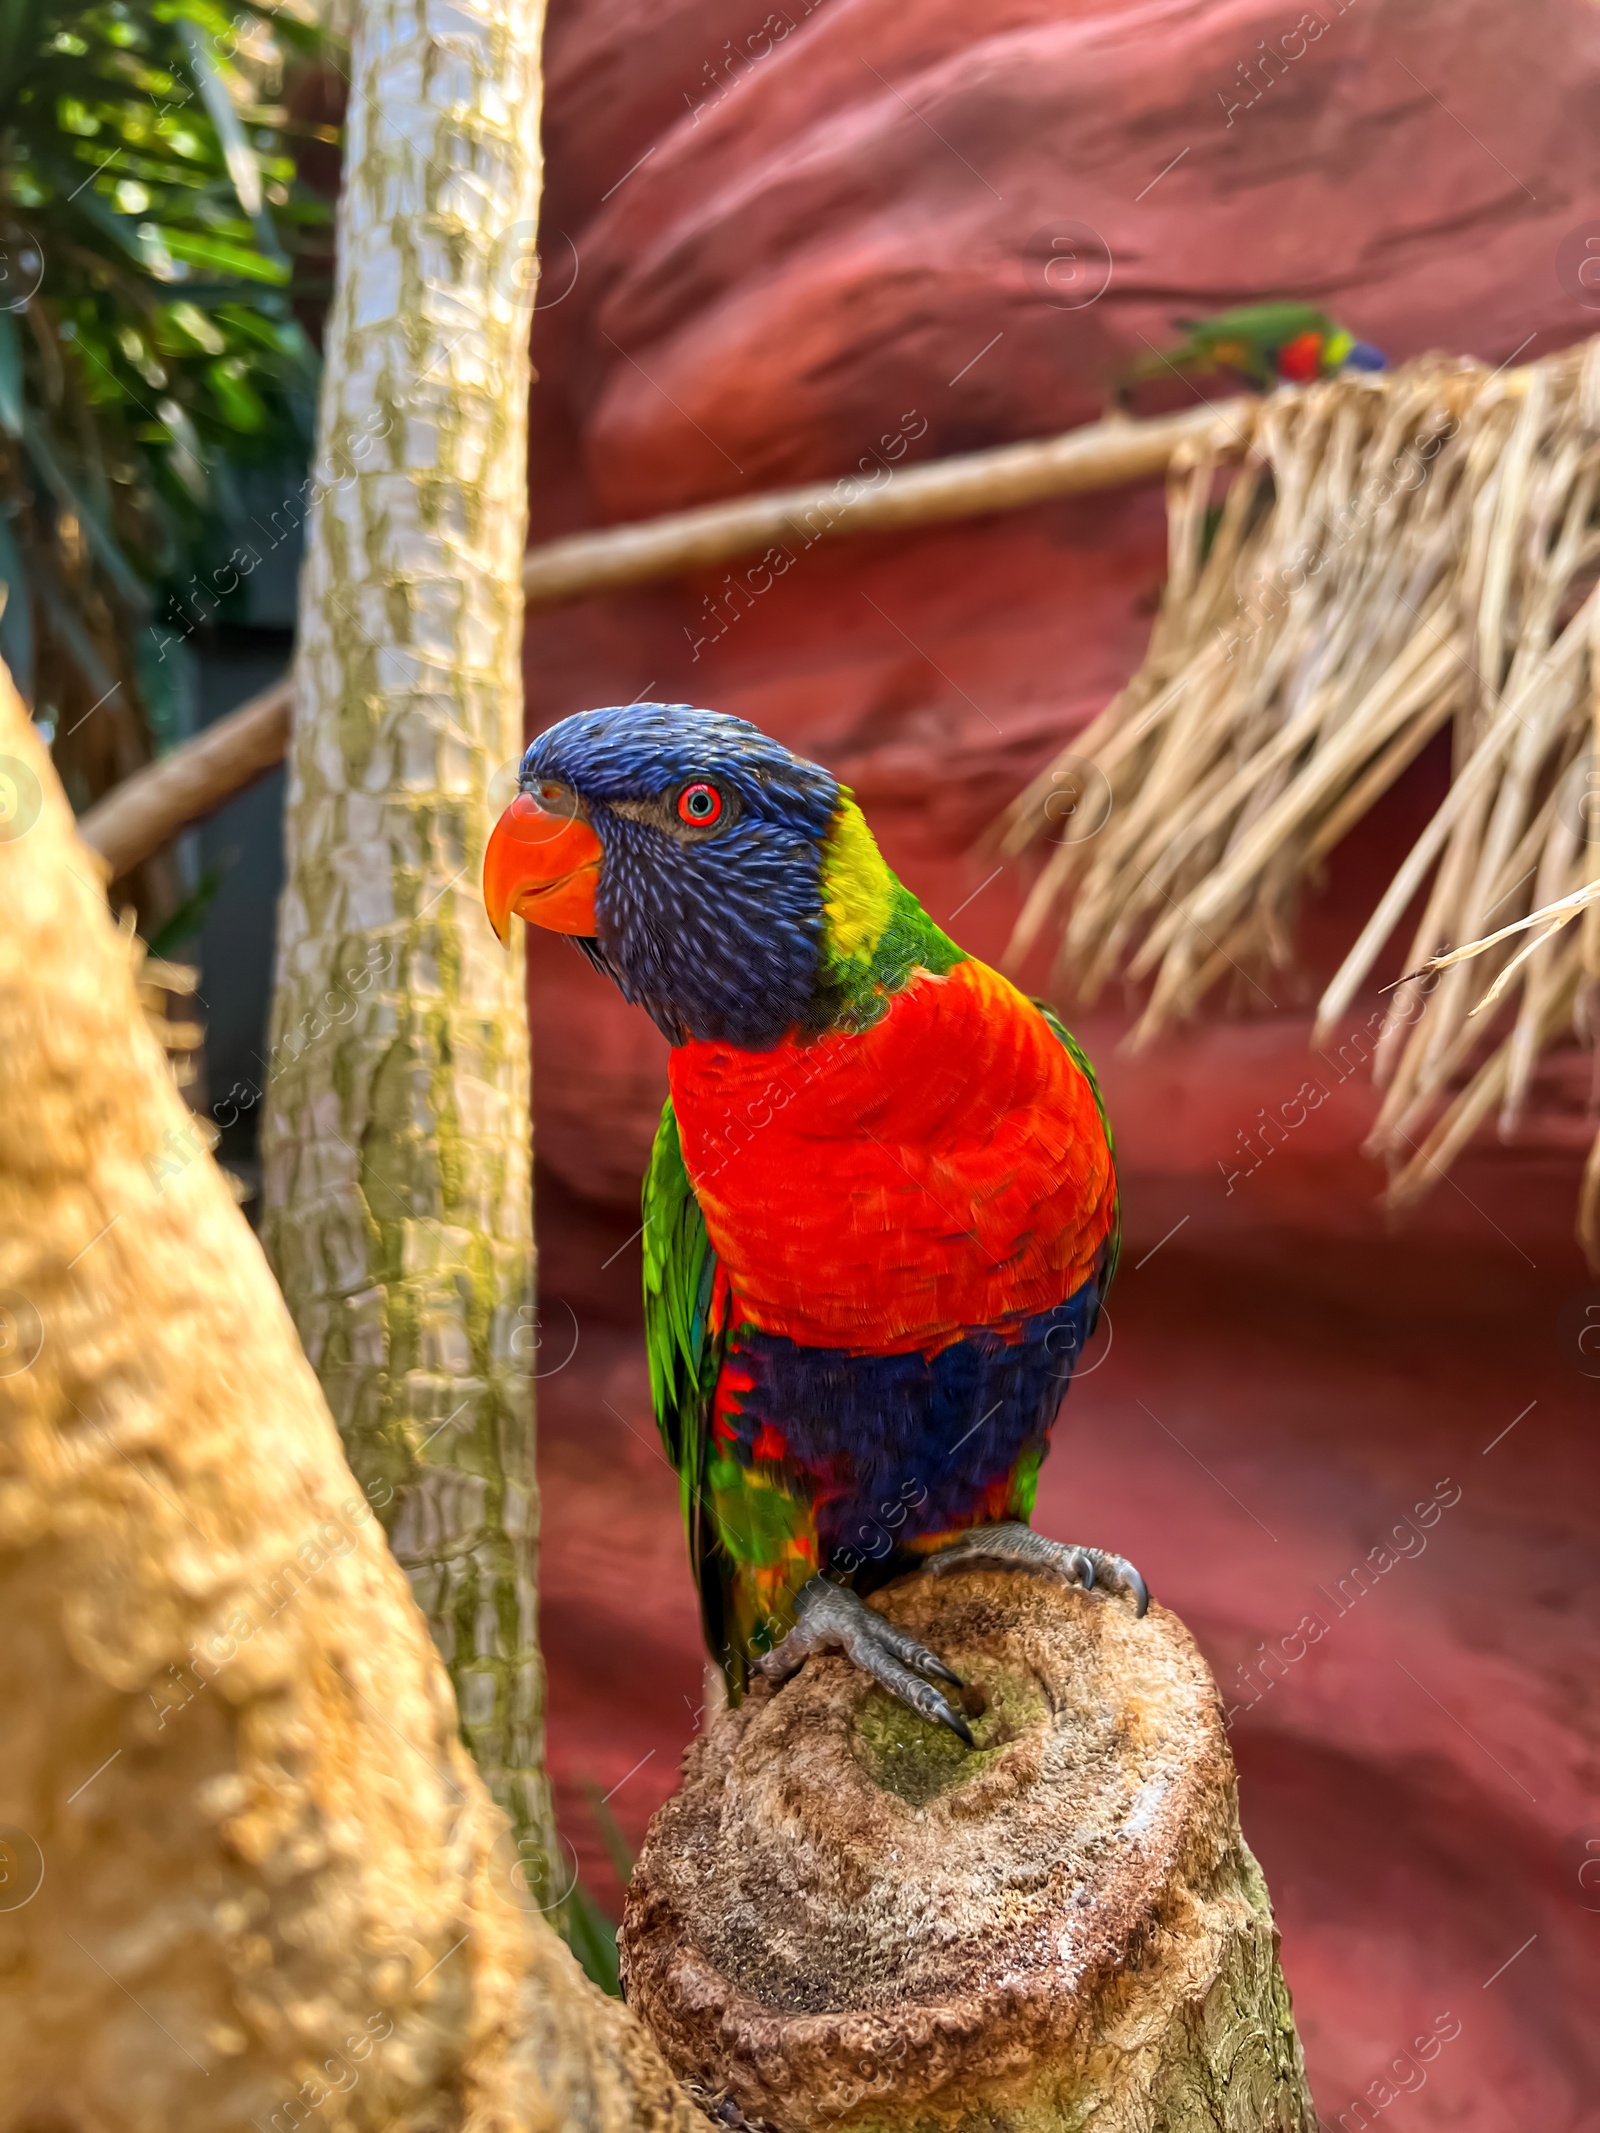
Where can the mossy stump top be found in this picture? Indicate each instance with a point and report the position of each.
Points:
(845, 1919)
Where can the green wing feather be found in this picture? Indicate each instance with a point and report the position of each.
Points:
(1080, 1059)
(685, 1352)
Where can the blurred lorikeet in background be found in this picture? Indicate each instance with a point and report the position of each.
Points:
(882, 1209)
(1268, 344)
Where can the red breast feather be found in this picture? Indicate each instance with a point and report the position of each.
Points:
(891, 1190)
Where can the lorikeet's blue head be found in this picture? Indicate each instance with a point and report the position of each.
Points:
(685, 854)
(1361, 355)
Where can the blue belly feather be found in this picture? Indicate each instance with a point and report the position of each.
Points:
(894, 1448)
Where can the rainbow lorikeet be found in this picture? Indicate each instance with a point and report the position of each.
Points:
(882, 1208)
(1269, 344)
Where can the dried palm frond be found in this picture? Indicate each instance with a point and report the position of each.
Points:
(1390, 554)
(1551, 916)
(165, 990)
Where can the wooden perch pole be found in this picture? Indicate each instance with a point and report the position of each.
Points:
(844, 1919)
(148, 809)
(1101, 455)
(249, 1875)
(145, 811)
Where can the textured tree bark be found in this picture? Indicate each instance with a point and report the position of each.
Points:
(248, 1873)
(396, 1156)
(845, 1920)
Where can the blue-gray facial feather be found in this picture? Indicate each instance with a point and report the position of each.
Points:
(717, 934)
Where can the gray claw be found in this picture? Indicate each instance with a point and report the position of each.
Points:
(935, 1669)
(831, 1617)
(1014, 1546)
(947, 1715)
(918, 1694)
(1118, 1574)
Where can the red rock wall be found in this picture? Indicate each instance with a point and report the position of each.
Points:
(874, 244)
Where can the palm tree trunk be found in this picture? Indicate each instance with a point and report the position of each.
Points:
(248, 1873)
(397, 1158)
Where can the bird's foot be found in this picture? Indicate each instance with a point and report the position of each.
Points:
(832, 1618)
(1014, 1546)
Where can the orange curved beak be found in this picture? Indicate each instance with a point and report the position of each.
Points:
(542, 866)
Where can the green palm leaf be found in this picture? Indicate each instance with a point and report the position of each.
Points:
(151, 229)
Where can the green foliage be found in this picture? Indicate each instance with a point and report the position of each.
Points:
(618, 1850)
(150, 221)
(189, 919)
(593, 1940)
(590, 1933)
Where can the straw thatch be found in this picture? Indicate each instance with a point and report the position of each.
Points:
(1390, 555)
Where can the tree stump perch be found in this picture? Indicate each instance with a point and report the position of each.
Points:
(845, 1919)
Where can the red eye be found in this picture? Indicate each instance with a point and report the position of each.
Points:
(699, 806)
